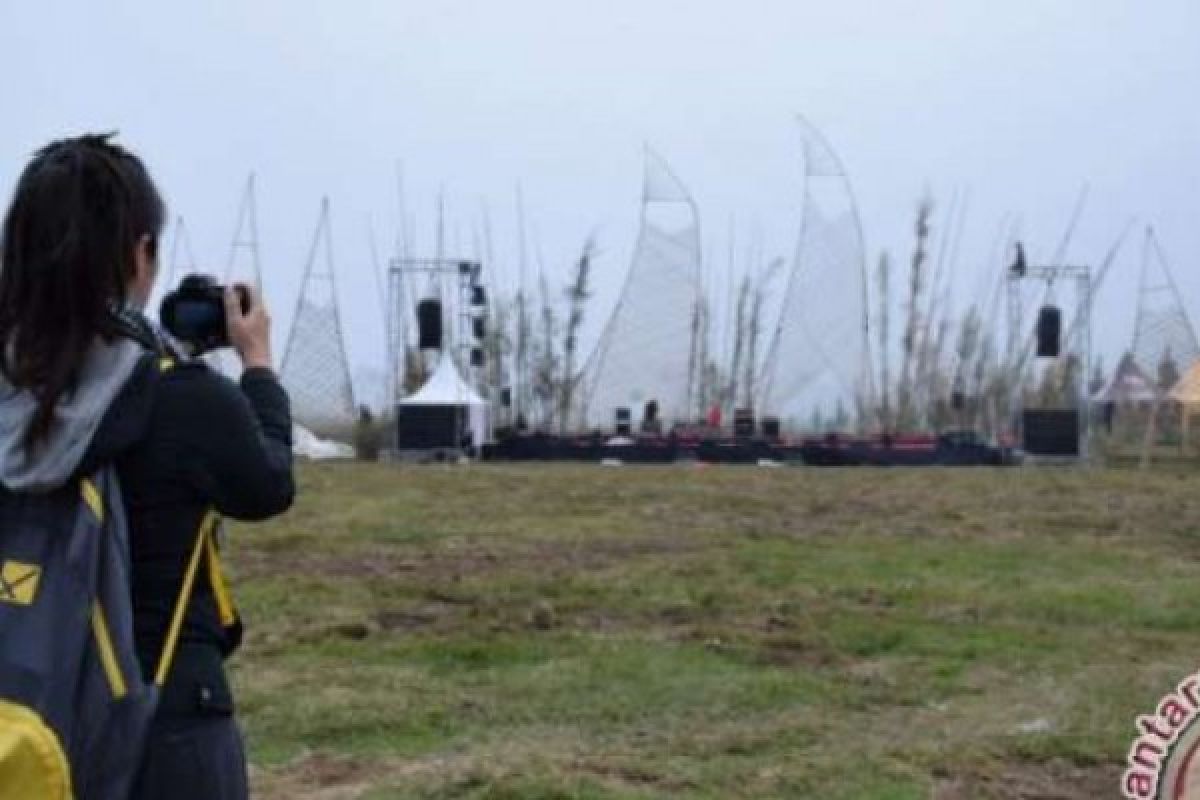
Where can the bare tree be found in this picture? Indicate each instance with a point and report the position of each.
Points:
(739, 339)
(546, 363)
(885, 301)
(577, 298)
(904, 399)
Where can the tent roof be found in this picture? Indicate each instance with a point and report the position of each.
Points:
(1187, 391)
(1129, 384)
(445, 387)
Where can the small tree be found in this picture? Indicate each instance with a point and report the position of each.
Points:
(906, 416)
(577, 297)
(545, 381)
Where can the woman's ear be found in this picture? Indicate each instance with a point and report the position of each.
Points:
(145, 270)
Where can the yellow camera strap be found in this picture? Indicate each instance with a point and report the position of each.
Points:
(216, 578)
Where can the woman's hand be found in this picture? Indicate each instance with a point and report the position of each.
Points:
(249, 331)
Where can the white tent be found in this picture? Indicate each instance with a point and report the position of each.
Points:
(1129, 386)
(446, 387)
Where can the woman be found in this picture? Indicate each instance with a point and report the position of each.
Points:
(81, 386)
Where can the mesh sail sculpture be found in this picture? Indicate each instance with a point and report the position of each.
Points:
(1164, 341)
(647, 352)
(315, 370)
(818, 352)
(242, 266)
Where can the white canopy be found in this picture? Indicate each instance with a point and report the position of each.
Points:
(445, 387)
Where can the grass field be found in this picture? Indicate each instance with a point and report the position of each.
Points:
(581, 632)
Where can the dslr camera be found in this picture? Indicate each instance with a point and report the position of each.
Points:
(195, 313)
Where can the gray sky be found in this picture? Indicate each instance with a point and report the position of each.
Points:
(1018, 103)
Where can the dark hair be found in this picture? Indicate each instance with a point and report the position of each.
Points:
(66, 256)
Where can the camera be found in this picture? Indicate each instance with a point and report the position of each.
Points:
(195, 313)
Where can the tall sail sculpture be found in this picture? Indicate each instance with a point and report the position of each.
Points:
(315, 369)
(1163, 339)
(242, 266)
(182, 259)
(818, 356)
(647, 352)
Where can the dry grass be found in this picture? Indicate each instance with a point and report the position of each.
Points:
(580, 632)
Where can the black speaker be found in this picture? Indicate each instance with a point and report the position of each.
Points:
(477, 357)
(430, 427)
(743, 423)
(429, 324)
(1049, 332)
(624, 422)
(771, 427)
(650, 421)
(1052, 432)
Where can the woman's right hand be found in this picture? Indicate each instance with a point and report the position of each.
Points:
(249, 331)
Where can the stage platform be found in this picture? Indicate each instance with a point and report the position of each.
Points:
(949, 449)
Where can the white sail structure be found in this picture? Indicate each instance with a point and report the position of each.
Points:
(818, 357)
(1163, 339)
(315, 370)
(241, 267)
(647, 352)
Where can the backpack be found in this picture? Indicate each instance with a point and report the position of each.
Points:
(74, 707)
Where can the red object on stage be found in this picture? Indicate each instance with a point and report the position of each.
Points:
(714, 417)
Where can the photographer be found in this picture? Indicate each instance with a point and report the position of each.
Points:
(85, 381)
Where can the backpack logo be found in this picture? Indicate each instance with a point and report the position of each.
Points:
(19, 582)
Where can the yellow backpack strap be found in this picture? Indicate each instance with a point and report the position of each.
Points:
(203, 536)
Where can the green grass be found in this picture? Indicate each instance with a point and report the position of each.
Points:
(581, 632)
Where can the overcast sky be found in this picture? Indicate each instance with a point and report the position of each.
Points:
(1016, 104)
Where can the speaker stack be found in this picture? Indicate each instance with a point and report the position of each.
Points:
(624, 422)
(1051, 432)
(743, 423)
(429, 324)
(1049, 332)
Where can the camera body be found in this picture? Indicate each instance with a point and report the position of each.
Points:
(195, 313)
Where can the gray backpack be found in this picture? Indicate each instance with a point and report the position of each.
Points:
(74, 707)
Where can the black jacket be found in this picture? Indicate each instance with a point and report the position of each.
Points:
(186, 440)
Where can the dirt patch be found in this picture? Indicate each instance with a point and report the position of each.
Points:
(1052, 780)
(626, 775)
(404, 620)
(791, 651)
(315, 776)
(459, 559)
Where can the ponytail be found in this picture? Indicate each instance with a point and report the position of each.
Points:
(66, 257)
